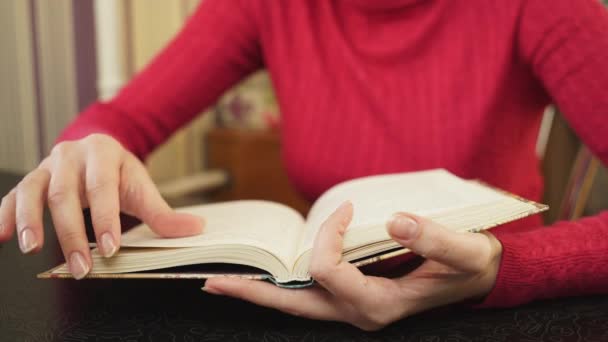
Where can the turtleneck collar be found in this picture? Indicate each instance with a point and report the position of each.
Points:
(382, 5)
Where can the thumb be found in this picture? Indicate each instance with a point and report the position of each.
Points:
(461, 250)
(140, 197)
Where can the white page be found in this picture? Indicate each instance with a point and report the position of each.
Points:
(266, 225)
(376, 198)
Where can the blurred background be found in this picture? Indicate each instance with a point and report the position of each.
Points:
(59, 56)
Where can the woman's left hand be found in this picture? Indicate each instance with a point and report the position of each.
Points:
(458, 266)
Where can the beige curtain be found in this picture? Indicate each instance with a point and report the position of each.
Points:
(38, 87)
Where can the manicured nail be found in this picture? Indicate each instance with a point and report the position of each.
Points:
(344, 205)
(78, 266)
(403, 227)
(108, 246)
(211, 290)
(27, 241)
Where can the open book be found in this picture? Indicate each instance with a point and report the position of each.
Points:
(278, 240)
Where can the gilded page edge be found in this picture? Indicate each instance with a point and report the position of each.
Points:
(157, 275)
(539, 206)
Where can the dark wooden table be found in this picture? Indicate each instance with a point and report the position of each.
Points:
(169, 310)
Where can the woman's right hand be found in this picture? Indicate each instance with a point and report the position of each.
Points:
(94, 172)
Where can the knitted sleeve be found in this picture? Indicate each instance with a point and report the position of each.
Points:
(566, 44)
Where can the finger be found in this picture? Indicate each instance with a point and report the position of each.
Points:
(340, 278)
(7, 216)
(312, 303)
(460, 250)
(29, 207)
(102, 181)
(66, 211)
(139, 197)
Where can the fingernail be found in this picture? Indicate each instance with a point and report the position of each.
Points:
(211, 290)
(108, 245)
(344, 205)
(78, 265)
(403, 227)
(27, 241)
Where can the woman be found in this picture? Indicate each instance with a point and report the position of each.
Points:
(365, 87)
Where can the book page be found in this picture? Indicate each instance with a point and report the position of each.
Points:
(266, 225)
(377, 198)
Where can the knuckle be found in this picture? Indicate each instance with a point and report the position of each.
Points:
(56, 196)
(320, 273)
(42, 174)
(374, 320)
(45, 163)
(433, 244)
(69, 238)
(23, 185)
(424, 228)
(5, 199)
(99, 185)
(96, 140)
(63, 149)
(24, 218)
(486, 255)
(131, 192)
(441, 250)
(102, 220)
(10, 195)
(32, 180)
(25, 214)
(101, 141)
(479, 265)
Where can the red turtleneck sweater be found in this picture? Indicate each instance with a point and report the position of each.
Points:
(379, 86)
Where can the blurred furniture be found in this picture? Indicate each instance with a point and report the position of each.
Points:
(177, 310)
(243, 164)
(191, 189)
(569, 171)
(582, 177)
(252, 159)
